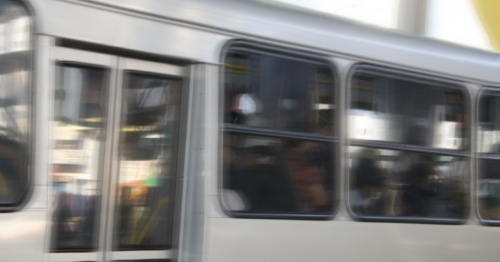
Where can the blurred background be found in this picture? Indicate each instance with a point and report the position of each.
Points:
(473, 23)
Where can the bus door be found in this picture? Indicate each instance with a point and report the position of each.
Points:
(115, 142)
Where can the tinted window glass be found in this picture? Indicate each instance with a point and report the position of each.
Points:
(265, 91)
(489, 124)
(78, 135)
(489, 146)
(406, 111)
(148, 135)
(393, 183)
(289, 170)
(15, 109)
(427, 118)
(272, 175)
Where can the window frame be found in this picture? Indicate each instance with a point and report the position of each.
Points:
(101, 168)
(117, 66)
(30, 145)
(75, 58)
(483, 91)
(176, 144)
(130, 66)
(334, 139)
(466, 152)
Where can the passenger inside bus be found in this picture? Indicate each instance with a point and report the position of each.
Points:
(369, 195)
(274, 175)
(274, 105)
(308, 177)
(414, 125)
(418, 196)
(62, 228)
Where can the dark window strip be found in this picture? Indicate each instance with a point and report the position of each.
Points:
(237, 129)
(291, 216)
(380, 71)
(285, 55)
(488, 157)
(421, 220)
(403, 147)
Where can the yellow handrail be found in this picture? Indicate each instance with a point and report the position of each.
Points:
(147, 227)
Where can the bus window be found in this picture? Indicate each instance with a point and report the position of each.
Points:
(489, 156)
(402, 111)
(394, 183)
(15, 109)
(148, 136)
(78, 135)
(408, 136)
(279, 135)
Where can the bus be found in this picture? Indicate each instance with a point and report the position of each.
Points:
(240, 131)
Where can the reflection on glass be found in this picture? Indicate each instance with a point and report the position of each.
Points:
(406, 111)
(279, 174)
(15, 29)
(489, 189)
(489, 145)
(389, 183)
(146, 176)
(15, 74)
(80, 96)
(489, 124)
(265, 175)
(278, 93)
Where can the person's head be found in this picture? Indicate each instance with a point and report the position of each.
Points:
(310, 188)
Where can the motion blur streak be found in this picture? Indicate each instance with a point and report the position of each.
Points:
(224, 130)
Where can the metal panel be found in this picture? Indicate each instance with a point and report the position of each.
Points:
(114, 126)
(141, 255)
(43, 108)
(207, 23)
(212, 143)
(22, 235)
(150, 67)
(80, 22)
(192, 217)
(77, 256)
(39, 198)
(62, 54)
(248, 240)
